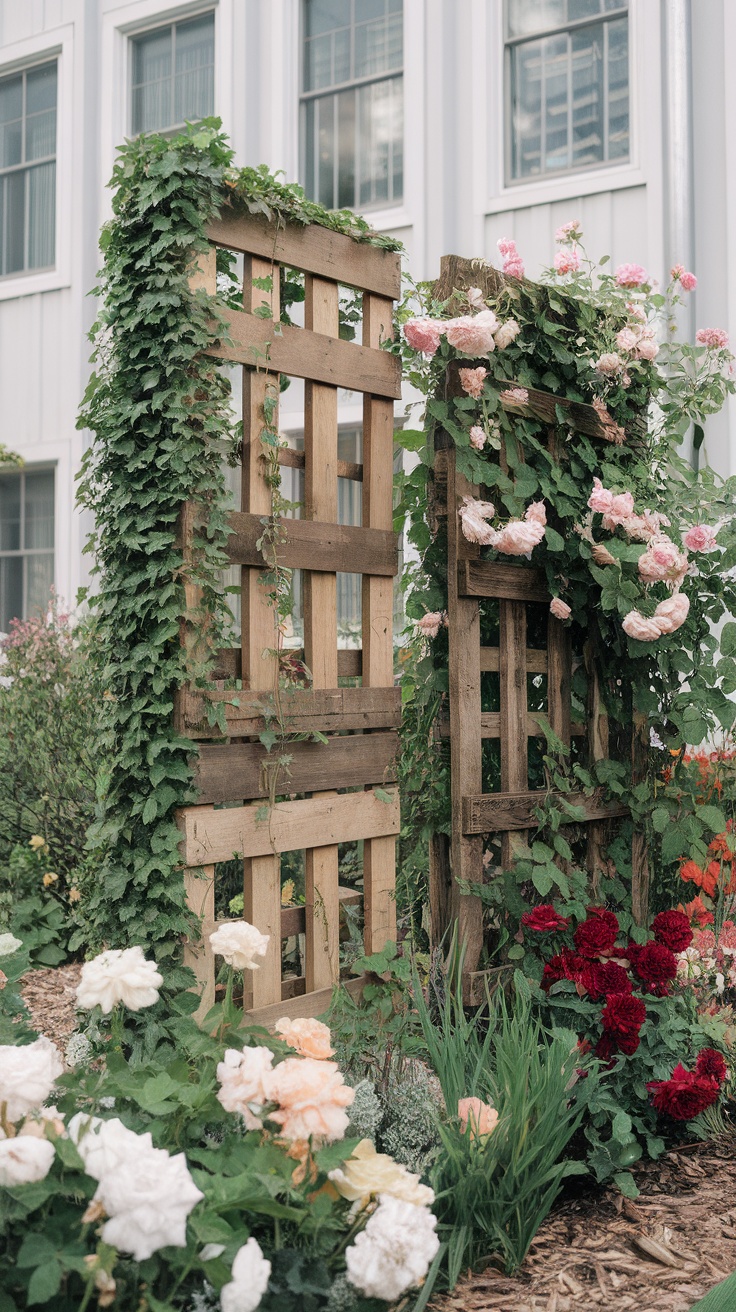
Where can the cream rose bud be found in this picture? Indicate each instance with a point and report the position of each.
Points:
(559, 609)
(506, 334)
(242, 1077)
(394, 1252)
(312, 1098)
(27, 1076)
(148, 1198)
(25, 1160)
(251, 1274)
(9, 944)
(119, 975)
(309, 1037)
(640, 627)
(367, 1173)
(240, 944)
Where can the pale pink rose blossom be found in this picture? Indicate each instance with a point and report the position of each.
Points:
(687, 281)
(514, 267)
(636, 311)
(477, 437)
(715, 338)
(701, 537)
(506, 246)
(506, 334)
(475, 297)
(242, 1077)
(662, 561)
(479, 1116)
(519, 537)
(537, 511)
(560, 609)
(310, 1038)
(471, 380)
(627, 339)
(430, 625)
(600, 499)
(568, 231)
(609, 364)
(631, 275)
(637, 626)
(567, 261)
(647, 349)
(672, 613)
(641, 528)
(423, 334)
(312, 1098)
(622, 507)
(473, 516)
(473, 333)
(514, 396)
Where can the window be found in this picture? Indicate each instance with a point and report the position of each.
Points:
(352, 102)
(26, 543)
(28, 169)
(567, 70)
(173, 75)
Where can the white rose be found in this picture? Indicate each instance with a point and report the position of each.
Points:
(119, 975)
(24, 1160)
(148, 1198)
(395, 1250)
(251, 1273)
(27, 1076)
(239, 943)
(242, 1076)
(42, 1119)
(104, 1145)
(9, 944)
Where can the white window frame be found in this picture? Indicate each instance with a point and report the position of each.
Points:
(37, 467)
(19, 57)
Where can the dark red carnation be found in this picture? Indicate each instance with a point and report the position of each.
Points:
(712, 1063)
(544, 919)
(596, 936)
(563, 965)
(685, 1095)
(603, 977)
(672, 928)
(623, 1015)
(656, 966)
(606, 1047)
(628, 1043)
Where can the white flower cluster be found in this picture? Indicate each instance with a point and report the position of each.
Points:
(239, 943)
(119, 975)
(394, 1251)
(27, 1076)
(9, 944)
(251, 1273)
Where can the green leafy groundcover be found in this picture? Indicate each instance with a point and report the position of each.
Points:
(157, 408)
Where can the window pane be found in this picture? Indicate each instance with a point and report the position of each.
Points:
(380, 126)
(11, 125)
(152, 107)
(39, 581)
(11, 590)
(194, 93)
(346, 140)
(317, 63)
(41, 89)
(618, 89)
(377, 47)
(39, 509)
(41, 215)
(526, 16)
(582, 9)
(588, 146)
(526, 93)
(556, 97)
(341, 56)
(366, 10)
(41, 135)
(15, 208)
(326, 150)
(10, 512)
(308, 172)
(325, 16)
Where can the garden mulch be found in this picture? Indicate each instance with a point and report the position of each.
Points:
(50, 998)
(659, 1254)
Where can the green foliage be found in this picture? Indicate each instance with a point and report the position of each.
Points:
(370, 1032)
(722, 1298)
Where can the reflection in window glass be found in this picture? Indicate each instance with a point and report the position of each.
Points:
(26, 543)
(28, 170)
(173, 75)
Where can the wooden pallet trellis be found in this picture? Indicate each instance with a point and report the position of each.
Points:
(364, 719)
(510, 812)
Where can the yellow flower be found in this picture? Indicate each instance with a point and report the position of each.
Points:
(75, 895)
(49, 879)
(287, 893)
(36, 842)
(368, 1173)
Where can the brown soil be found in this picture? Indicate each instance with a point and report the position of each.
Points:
(659, 1254)
(49, 996)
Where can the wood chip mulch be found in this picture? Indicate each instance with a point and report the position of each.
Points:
(659, 1254)
(49, 997)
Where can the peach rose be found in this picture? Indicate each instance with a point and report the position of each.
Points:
(672, 613)
(312, 1098)
(647, 349)
(423, 334)
(309, 1037)
(636, 625)
(662, 561)
(479, 1116)
(477, 437)
(559, 609)
(536, 511)
(519, 537)
(622, 507)
(473, 515)
(367, 1173)
(640, 528)
(701, 537)
(472, 380)
(430, 625)
(627, 339)
(506, 334)
(473, 334)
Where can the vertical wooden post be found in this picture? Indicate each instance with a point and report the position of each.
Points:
(199, 887)
(559, 678)
(321, 315)
(379, 854)
(513, 719)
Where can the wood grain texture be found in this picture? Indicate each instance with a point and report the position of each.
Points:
(210, 836)
(595, 857)
(309, 1004)
(303, 710)
(559, 679)
(310, 248)
(199, 890)
(485, 578)
(229, 772)
(295, 460)
(639, 853)
(496, 812)
(490, 725)
(228, 663)
(315, 545)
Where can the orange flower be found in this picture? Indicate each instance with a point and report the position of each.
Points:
(697, 910)
(691, 873)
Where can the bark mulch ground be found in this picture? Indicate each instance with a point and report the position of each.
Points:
(49, 996)
(659, 1254)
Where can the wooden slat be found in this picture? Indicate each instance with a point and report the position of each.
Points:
(536, 661)
(199, 889)
(294, 919)
(497, 812)
(231, 771)
(513, 714)
(304, 710)
(484, 578)
(312, 249)
(559, 678)
(639, 849)
(310, 1004)
(295, 460)
(210, 836)
(579, 416)
(228, 665)
(303, 354)
(597, 751)
(490, 725)
(315, 545)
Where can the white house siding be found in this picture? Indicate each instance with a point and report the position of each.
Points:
(456, 196)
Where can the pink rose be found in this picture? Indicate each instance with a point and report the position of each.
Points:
(519, 537)
(609, 364)
(473, 516)
(536, 511)
(662, 560)
(627, 339)
(715, 338)
(473, 333)
(242, 1077)
(475, 298)
(622, 507)
(430, 625)
(514, 267)
(636, 625)
(568, 231)
(647, 349)
(567, 261)
(687, 281)
(631, 275)
(636, 311)
(640, 528)
(506, 246)
(471, 380)
(600, 499)
(312, 1098)
(560, 609)
(423, 334)
(310, 1038)
(480, 1116)
(701, 537)
(477, 437)
(506, 334)
(672, 613)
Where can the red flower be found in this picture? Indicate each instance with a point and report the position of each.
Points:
(544, 919)
(685, 1095)
(656, 966)
(697, 910)
(596, 936)
(606, 1048)
(563, 965)
(672, 928)
(623, 1017)
(602, 978)
(711, 1063)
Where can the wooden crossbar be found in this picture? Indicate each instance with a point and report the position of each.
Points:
(492, 812)
(315, 545)
(302, 710)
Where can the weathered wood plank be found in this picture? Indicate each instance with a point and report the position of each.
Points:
(498, 812)
(559, 679)
(254, 342)
(595, 857)
(294, 919)
(315, 545)
(485, 578)
(312, 249)
(228, 772)
(199, 889)
(209, 836)
(295, 460)
(579, 416)
(536, 660)
(303, 710)
(228, 664)
(639, 850)
(490, 725)
(307, 1004)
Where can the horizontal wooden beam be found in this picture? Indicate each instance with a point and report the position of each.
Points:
(210, 836)
(501, 812)
(296, 460)
(312, 544)
(301, 710)
(232, 772)
(536, 660)
(301, 353)
(490, 726)
(486, 578)
(228, 661)
(294, 919)
(311, 249)
(579, 416)
(304, 1004)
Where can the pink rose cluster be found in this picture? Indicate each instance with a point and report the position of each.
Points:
(471, 334)
(687, 281)
(569, 233)
(472, 380)
(700, 537)
(631, 275)
(639, 341)
(668, 616)
(567, 261)
(716, 339)
(512, 261)
(518, 537)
